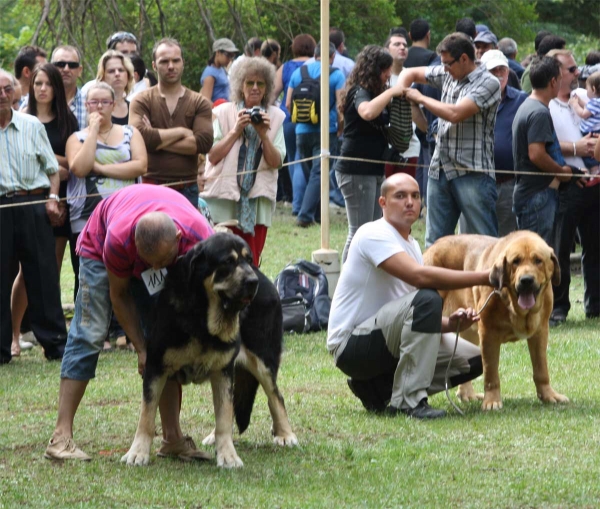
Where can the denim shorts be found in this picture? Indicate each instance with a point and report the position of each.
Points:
(93, 309)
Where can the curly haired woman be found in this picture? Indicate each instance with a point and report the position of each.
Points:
(365, 102)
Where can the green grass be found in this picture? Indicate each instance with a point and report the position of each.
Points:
(526, 455)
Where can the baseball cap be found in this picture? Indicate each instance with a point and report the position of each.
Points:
(482, 28)
(487, 38)
(225, 45)
(494, 58)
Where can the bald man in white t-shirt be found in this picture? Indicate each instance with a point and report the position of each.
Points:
(386, 330)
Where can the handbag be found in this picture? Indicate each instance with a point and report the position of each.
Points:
(400, 130)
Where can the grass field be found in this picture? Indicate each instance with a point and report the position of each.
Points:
(526, 455)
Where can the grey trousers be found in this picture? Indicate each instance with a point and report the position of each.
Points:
(404, 338)
(361, 194)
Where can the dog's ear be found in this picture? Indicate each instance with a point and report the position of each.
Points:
(556, 270)
(197, 257)
(499, 274)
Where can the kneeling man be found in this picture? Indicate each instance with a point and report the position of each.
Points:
(386, 329)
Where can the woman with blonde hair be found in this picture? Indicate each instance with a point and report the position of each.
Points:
(248, 149)
(115, 69)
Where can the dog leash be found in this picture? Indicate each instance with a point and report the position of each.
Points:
(495, 291)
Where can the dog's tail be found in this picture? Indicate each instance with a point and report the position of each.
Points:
(244, 393)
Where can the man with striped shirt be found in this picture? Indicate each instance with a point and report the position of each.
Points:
(461, 175)
(28, 173)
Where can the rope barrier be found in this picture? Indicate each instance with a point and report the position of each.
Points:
(324, 154)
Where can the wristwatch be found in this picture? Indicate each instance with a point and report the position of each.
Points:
(54, 197)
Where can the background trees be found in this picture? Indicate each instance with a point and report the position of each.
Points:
(196, 23)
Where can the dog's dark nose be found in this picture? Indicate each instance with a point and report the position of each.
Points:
(251, 283)
(526, 282)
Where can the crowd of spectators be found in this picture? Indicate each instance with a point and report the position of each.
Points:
(479, 116)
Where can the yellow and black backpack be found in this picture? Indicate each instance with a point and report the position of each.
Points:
(306, 99)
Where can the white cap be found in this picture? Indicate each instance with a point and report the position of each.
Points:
(494, 58)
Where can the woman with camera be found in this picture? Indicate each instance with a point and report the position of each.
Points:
(248, 149)
(365, 102)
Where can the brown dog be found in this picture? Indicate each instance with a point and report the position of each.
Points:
(524, 266)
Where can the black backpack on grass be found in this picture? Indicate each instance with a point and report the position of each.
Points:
(304, 294)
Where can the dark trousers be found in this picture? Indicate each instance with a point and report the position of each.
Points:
(26, 237)
(578, 209)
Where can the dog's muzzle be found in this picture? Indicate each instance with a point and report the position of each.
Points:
(527, 290)
(243, 296)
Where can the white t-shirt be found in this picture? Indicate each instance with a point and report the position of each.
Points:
(566, 124)
(364, 288)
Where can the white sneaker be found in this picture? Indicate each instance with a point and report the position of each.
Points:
(25, 345)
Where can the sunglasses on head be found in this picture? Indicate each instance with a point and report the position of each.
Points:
(70, 65)
(120, 37)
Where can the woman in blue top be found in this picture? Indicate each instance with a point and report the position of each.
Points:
(303, 48)
(214, 80)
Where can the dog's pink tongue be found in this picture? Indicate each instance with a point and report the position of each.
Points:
(526, 300)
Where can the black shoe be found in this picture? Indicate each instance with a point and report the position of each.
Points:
(421, 411)
(557, 319)
(364, 390)
(304, 224)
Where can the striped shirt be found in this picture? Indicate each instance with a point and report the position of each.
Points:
(26, 155)
(592, 124)
(470, 143)
(77, 106)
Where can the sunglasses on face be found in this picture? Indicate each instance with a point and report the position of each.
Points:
(70, 65)
(572, 69)
(94, 104)
(259, 84)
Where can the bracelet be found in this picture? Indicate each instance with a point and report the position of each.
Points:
(54, 197)
(574, 149)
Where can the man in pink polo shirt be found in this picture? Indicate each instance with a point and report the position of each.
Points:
(125, 249)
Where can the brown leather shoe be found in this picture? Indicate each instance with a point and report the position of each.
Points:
(63, 448)
(184, 449)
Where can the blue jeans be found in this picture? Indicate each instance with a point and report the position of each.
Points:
(296, 175)
(309, 145)
(335, 195)
(537, 215)
(361, 193)
(474, 195)
(93, 309)
(191, 193)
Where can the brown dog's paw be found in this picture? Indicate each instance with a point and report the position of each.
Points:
(466, 393)
(491, 404)
(549, 395)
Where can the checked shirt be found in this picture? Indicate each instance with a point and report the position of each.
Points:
(468, 144)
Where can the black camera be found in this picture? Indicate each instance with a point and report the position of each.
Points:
(255, 116)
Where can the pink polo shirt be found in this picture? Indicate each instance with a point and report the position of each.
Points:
(109, 234)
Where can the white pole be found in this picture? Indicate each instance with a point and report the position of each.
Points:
(324, 119)
(327, 258)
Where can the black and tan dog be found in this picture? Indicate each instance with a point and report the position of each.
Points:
(525, 267)
(218, 319)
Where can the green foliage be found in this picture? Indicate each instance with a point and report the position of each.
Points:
(506, 18)
(582, 16)
(87, 24)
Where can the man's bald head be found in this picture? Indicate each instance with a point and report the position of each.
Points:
(153, 232)
(394, 180)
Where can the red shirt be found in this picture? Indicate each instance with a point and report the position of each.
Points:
(109, 234)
